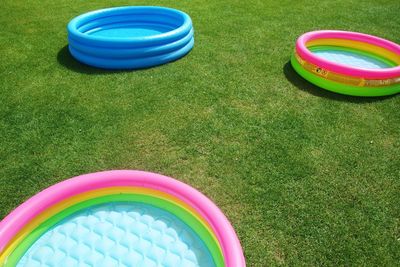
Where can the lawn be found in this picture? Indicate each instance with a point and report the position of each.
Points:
(305, 176)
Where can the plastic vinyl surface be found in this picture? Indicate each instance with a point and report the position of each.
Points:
(95, 237)
(343, 88)
(134, 195)
(393, 49)
(16, 220)
(121, 234)
(131, 37)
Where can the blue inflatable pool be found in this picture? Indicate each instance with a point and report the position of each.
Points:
(131, 37)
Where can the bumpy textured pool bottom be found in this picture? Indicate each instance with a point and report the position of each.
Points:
(119, 234)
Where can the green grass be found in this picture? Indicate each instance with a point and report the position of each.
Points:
(305, 176)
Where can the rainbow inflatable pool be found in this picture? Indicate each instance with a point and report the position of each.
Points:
(348, 62)
(119, 218)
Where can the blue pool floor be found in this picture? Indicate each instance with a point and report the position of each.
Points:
(119, 234)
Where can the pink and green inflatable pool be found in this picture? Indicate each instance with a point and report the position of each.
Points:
(119, 218)
(348, 63)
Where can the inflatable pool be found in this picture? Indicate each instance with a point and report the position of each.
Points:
(131, 37)
(348, 62)
(119, 218)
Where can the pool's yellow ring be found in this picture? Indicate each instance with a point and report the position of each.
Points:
(93, 194)
(363, 46)
(345, 79)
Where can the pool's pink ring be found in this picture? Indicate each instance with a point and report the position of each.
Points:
(305, 54)
(16, 220)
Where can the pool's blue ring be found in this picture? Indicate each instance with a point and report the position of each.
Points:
(131, 52)
(139, 52)
(132, 63)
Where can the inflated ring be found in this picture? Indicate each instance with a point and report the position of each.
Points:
(131, 37)
(348, 62)
(179, 224)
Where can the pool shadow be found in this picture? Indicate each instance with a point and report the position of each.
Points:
(302, 84)
(65, 59)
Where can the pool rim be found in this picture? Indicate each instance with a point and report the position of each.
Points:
(226, 235)
(306, 54)
(155, 39)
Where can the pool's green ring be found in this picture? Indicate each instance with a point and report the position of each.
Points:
(182, 214)
(343, 88)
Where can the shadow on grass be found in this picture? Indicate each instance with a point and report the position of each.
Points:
(65, 59)
(308, 87)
